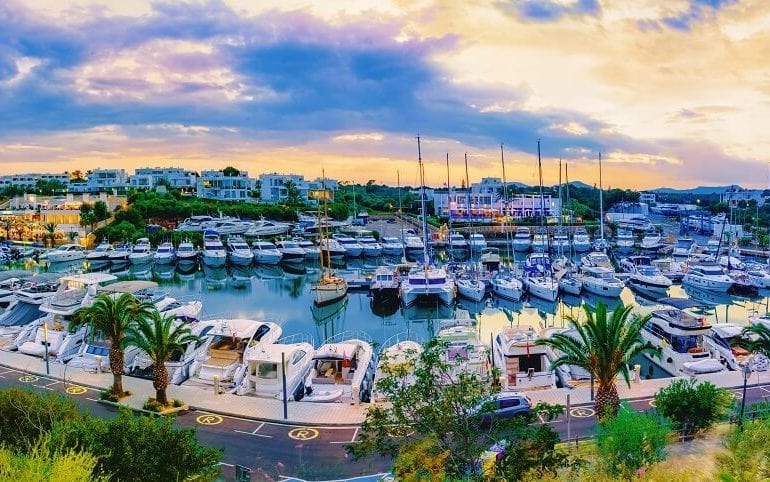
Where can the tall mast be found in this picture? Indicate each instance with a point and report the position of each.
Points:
(542, 196)
(467, 190)
(403, 247)
(569, 204)
(448, 203)
(504, 204)
(423, 206)
(601, 200)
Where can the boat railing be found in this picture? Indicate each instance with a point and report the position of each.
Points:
(401, 337)
(296, 338)
(454, 322)
(349, 335)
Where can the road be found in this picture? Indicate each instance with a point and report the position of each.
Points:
(312, 453)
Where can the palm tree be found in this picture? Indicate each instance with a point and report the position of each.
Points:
(160, 337)
(604, 346)
(755, 339)
(112, 316)
(50, 229)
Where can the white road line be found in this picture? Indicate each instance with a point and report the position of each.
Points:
(92, 399)
(257, 429)
(226, 465)
(355, 435)
(52, 383)
(253, 434)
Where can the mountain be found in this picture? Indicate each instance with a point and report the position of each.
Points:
(700, 190)
(580, 184)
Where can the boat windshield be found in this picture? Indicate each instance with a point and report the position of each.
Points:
(267, 370)
(711, 270)
(648, 271)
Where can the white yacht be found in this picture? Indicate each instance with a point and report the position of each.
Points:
(596, 259)
(708, 276)
(712, 246)
(353, 249)
(8, 288)
(466, 353)
(266, 252)
(186, 252)
(490, 259)
(601, 281)
(680, 335)
(652, 241)
(624, 241)
(560, 243)
(571, 284)
(758, 277)
(522, 240)
(721, 343)
(213, 254)
(570, 376)
(194, 224)
(538, 277)
(265, 227)
(581, 241)
(413, 244)
(228, 226)
(507, 286)
(225, 345)
(291, 252)
(457, 241)
(398, 358)
(524, 365)
(427, 283)
(385, 284)
(238, 252)
(141, 253)
(26, 307)
(477, 242)
(392, 246)
(266, 367)
(165, 254)
(311, 250)
(645, 275)
(372, 249)
(66, 252)
(540, 240)
(100, 253)
(343, 370)
(331, 248)
(684, 247)
(120, 254)
(471, 288)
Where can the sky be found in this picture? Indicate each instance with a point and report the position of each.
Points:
(672, 92)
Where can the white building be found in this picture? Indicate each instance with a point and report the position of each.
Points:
(737, 194)
(486, 206)
(31, 179)
(178, 178)
(647, 197)
(215, 185)
(101, 180)
(273, 188)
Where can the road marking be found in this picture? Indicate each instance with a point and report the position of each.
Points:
(28, 378)
(209, 419)
(258, 428)
(52, 383)
(253, 434)
(582, 412)
(76, 390)
(92, 399)
(303, 433)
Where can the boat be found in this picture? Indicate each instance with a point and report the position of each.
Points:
(100, 253)
(758, 277)
(330, 288)
(371, 248)
(266, 227)
(507, 286)
(680, 336)
(540, 240)
(466, 353)
(651, 241)
(266, 252)
(343, 370)
(8, 289)
(353, 249)
(707, 276)
(645, 275)
(66, 252)
(331, 248)
(120, 254)
(291, 252)
(522, 239)
(194, 224)
(722, 344)
(560, 243)
(213, 254)
(471, 288)
(712, 246)
(570, 284)
(221, 355)
(524, 365)
(186, 253)
(392, 246)
(601, 281)
(413, 245)
(457, 242)
(570, 376)
(285, 362)
(673, 270)
(227, 226)
(581, 241)
(624, 241)
(731, 262)
(25, 309)
(684, 247)
(634, 223)
(398, 360)
(238, 252)
(312, 251)
(596, 259)
(165, 254)
(490, 259)
(385, 284)
(477, 242)
(141, 253)
(538, 276)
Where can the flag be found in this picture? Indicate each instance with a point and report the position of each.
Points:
(345, 360)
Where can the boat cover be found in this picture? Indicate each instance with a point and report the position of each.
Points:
(680, 303)
(21, 314)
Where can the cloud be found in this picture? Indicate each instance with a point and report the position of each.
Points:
(551, 10)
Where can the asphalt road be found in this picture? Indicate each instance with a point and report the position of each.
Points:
(277, 451)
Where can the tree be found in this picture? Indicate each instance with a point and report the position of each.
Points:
(46, 462)
(50, 229)
(604, 346)
(25, 416)
(755, 339)
(293, 197)
(630, 441)
(160, 337)
(230, 171)
(111, 317)
(101, 211)
(693, 407)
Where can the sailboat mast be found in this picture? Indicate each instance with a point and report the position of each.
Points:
(542, 196)
(467, 189)
(569, 204)
(423, 206)
(504, 203)
(448, 203)
(601, 200)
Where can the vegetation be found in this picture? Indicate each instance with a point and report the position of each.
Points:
(26, 416)
(161, 337)
(756, 339)
(693, 407)
(51, 464)
(112, 317)
(747, 454)
(605, 346)
(630, 441)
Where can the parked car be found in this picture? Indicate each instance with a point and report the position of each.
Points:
(508, 405)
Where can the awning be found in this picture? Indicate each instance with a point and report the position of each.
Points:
(680, 303)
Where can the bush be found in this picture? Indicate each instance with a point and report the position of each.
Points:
(178, 403)
(632, 440)
(692, 407)
(747, 455)
(531, 451)
(421, 459)
(44, 462)
(25, 416)
(153, 405)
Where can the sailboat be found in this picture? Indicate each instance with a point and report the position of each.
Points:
(330, 288)
(601, 244)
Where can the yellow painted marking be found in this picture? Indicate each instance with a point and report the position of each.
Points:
(209, 419)
(582, 412)
(28, 378)
(652, 403)
(303, 433)
(76, 390)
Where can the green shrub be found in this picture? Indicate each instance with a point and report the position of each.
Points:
(747, 454)
(153, 405)
(693, 407)
(178, 403)
(632, 440)
(25, 416)
(109, 395)
(44, 462)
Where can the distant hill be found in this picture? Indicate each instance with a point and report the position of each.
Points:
(580, 184)
(700, 190)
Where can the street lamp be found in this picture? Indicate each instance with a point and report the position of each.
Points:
(746, 376)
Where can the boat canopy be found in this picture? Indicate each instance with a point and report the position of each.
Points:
(128, 286)
(680, 303)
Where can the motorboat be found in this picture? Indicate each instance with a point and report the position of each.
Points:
(673, 270)
(8, 288)
(291, 252)
(635, 223)
(477, 242)
(213, 254)
(353, 249)
(644, 274)
(413, 245)
(226, 343)
(601, 281)
(465, 353)
(38, 288)
(165, 254)
(15, 318)
(712, 246)
(570, 284)
(289, 359)
(141, 253)
(457, 242)
(195, 224)
(570, 376)
(540, 240)
(722, 344)
(651, 241)
(385, 284)
(730, 262)
(311, 250)
(342, 371)
(490, 259)
(708, 276)
(522, 239)
(372, 249)
(66, 252)
(538, 277)
(680, 336)
(624, 241)
(758, 277)
(581, 241)
(684, 247)
(266, 227)
(426, 283)
(120, 254)
(332, 248)
(523, 363)
(100, 253)
(560, 243)
(392, 246)
(398, 359)
(186, 253)
(227, 226)
(507, 286)
(238, 252)
(471, 288)
(596, 259)
(266, 252)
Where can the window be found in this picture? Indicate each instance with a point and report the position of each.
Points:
(267, 371)
(508, 402)
(298, 357)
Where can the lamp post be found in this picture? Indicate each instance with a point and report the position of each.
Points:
(746, 376)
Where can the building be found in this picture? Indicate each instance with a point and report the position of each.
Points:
(488, 205)
(647, 197)
(737, 194)
(273, 188)
(177, 178)
(31, 179)
(216, 185)
(103, 180)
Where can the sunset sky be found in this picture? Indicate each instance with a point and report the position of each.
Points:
(673, 92)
